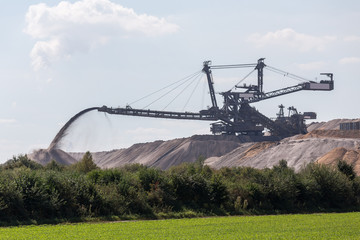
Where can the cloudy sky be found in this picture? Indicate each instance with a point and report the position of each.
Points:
(60, 57)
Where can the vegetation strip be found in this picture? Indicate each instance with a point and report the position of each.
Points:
(312, 226)
(35, 194)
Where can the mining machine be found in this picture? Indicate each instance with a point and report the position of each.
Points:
(236, 116)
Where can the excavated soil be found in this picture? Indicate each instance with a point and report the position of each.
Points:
(324, 144)
(330, 125)
(164, 154)
(297, 152)
(44, 156)
(351, 157)
(332, 134)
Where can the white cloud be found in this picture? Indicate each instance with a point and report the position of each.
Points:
(6, 121)
(349, 60)
(311, 66)
(290, 38)
(44, 52)
(352, 39)
(68, 28)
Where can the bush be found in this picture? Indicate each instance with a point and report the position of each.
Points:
(53, 165)
(346, 169)
(106, 177)
(326, 188)
(21, 161)
(219, 194)
(149, 177)
(283, 187)
(246, 187)
(191, 190)
(11, 205)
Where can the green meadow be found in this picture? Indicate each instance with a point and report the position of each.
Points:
(297, 226)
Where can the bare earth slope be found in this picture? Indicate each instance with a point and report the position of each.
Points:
(352, 157)
(323, 144)
(44, 156)
(164, 154)
(330, 125)
(297, 152)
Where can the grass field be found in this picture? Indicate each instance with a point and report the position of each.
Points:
(312, 226)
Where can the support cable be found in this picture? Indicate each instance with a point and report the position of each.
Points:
(286, 74)
(203, 94)
(187, 77)
(192, 76)
(179, 93)
(197, 84)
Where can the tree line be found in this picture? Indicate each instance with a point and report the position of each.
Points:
(32, 192)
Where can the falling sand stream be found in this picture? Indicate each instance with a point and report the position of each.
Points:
(62, 132)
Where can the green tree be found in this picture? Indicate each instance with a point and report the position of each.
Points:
(86, 164)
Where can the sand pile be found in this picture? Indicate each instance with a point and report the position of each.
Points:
(297, 152)
(44, 156)
(330, 125)
(332, 134)
(238, 155)
(352, 157)
(324, 144)
(219, 151)
(164, 154)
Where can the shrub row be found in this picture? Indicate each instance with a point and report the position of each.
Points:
(30, 191)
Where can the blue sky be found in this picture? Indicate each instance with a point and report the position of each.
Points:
(59, 57)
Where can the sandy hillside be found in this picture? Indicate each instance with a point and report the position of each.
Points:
(164, 154)
(330, 125)
(323, 144)
(331, 134)
(44, 156)
(352, 157)
(296, 151)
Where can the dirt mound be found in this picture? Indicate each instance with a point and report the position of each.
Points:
(330, 125)
(164, 154)
(297, 152)
(352, 157)
(227, 151)
(257, 148)
(331, 134)
(219, 151)
(239, 155)
(44, 156)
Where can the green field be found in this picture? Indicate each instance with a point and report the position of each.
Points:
(312, 226)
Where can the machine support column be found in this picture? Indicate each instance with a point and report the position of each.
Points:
(260, 66)
(207, 71)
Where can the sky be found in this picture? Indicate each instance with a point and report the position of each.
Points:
(60, 57)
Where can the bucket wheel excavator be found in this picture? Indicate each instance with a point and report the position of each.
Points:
(237, 116)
